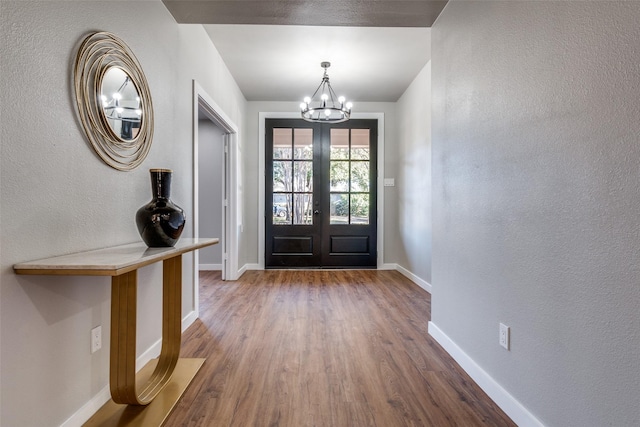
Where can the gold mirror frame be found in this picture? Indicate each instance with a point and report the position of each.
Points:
(98, 53)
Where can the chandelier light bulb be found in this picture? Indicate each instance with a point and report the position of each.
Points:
(324, 97)
(307, 100)
(119, 109)
(349, 105)
(341, 100)
(117, 96)
(303, 105)
(327, 112)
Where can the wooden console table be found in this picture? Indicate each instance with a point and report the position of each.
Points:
(122, 264)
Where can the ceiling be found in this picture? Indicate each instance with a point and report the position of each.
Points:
(273, 49)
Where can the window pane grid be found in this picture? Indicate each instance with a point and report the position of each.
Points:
(350, 179)
(292, 176)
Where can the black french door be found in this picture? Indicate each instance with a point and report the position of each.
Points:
(320, 194)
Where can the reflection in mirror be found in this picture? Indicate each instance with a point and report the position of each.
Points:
(121, 103)
(113, 101)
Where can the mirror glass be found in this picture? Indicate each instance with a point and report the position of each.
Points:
(121, 103)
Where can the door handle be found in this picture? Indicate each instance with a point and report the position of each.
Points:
(316, 212)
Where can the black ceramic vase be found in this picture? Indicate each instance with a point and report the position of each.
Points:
(160, 222)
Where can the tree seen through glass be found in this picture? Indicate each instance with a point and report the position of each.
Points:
(349, 176)
(293, 177)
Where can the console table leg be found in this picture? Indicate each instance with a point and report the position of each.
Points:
(123, 337)
(123, 334)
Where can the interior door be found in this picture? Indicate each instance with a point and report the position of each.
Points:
(320, 195)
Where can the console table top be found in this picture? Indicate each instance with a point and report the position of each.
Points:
(112, 261)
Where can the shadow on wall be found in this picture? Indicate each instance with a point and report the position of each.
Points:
(59, 298)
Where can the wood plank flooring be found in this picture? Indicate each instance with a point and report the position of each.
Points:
(323, 348)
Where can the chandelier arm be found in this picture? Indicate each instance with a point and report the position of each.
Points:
(332, 95)
(121, 88)
(316, 92)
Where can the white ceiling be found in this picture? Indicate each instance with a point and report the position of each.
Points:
(376, 47)
(282, 63)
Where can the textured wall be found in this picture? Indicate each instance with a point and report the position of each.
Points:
(536, 200)
(413, 181)
(57, 197)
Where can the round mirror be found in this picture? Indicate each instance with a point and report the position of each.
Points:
(120, 102)
(113, 100)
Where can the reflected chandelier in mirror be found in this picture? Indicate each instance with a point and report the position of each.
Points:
(121, 103)
(113, 100)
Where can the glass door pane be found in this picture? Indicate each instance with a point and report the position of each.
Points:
(360, 144)
(339, 208)
(349, 176)
(303, 144)
(282, 144)
(339, 144)
(292, 176)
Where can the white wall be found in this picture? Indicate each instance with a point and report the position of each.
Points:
(391, 245)
(210, 171)
(536, 201)
(57, 197)
(413, 183)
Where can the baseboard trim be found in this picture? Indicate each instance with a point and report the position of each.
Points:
(87, 410)
(188, 320)
(417, 280)
(509, 404)
(388, 266)
(210, 267)
(408, 274)
(241, 271)
(248, 267)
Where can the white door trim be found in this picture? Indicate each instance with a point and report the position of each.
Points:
(229, 239)
(261, 177)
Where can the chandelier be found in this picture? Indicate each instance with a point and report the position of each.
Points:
(324, 106)
(119, 108)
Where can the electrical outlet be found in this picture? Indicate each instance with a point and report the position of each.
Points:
(96, 339)
(504, 335)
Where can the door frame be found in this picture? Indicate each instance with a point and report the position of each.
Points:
(230, 180)
(261, 174)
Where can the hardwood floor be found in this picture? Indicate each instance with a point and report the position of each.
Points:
(323, 348)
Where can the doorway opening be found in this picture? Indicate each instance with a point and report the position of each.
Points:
(216, 193)
(211, 191)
